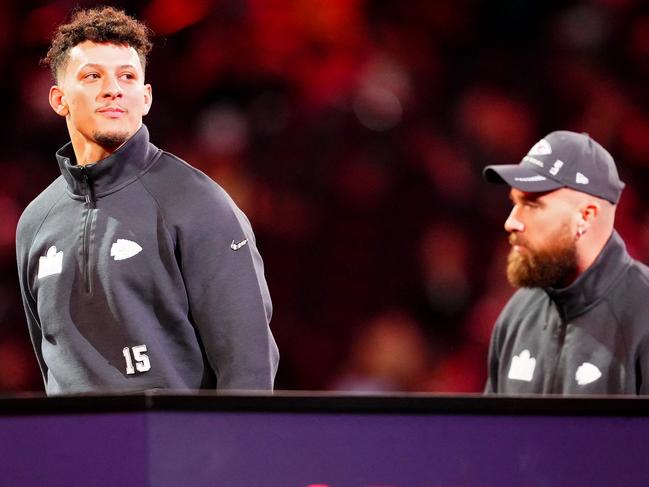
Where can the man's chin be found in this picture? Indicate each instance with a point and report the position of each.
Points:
(518, 269)
(111, 140)
(543, 270)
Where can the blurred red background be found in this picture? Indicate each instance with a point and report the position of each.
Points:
(353, 134)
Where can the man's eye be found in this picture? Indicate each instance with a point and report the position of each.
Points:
(92, 76)
(128, 76)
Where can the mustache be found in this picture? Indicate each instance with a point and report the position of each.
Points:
(515, 239)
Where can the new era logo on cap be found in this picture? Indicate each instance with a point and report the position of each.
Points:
(562, 159)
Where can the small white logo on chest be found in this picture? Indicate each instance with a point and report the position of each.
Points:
(522, 367)
(237, 246)
(124, 249)
(50, 264)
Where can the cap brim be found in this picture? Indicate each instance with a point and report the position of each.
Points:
(520, 177)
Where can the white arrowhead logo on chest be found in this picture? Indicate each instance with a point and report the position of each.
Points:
(124, 249)
(587, 373)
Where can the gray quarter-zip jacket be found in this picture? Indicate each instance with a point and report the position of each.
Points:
(589, 338)
(140, 272)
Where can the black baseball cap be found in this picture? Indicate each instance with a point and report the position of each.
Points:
(562, 159)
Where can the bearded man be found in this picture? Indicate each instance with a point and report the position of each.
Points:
(579, 322)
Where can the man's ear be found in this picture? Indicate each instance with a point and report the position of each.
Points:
(57, 101)
(589, 213)
(148, 98)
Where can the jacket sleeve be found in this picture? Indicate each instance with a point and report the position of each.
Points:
(642, 368)
(491, 387)
(31, 310)
(228, 296)
(493, 362)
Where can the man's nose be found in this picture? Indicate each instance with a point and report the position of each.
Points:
(513, 224)
(111, 87)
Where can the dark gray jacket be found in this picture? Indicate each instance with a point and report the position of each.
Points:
(140, 272)
(589, 338)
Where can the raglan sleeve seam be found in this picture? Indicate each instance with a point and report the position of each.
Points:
(160, 209)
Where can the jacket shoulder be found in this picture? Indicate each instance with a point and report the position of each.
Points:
(522, 301)
(630, 296)
(521, 306)
(179, 188)
(639, 274)
(36, 212)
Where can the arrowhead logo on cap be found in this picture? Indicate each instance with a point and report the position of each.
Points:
(541, 148)
(565, 160)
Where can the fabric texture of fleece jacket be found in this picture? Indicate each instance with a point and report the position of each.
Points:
(591, 337)
(140, 272)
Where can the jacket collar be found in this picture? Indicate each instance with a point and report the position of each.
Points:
(110, 174)
(593, 284)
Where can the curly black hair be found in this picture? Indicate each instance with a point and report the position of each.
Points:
(101, 24)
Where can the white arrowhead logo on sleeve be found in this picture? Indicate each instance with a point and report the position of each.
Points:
(522, 367)
(587, 373)
(124, 249)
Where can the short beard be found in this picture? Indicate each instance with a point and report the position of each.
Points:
(551, 267)
(110, 141)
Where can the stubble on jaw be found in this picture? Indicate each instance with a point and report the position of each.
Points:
(552, 266)
(110, 140)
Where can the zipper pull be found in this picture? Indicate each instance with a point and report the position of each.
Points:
(87, 192)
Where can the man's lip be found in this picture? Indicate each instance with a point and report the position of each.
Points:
(516, 244)
(111, 110)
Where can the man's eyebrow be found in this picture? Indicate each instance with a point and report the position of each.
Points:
(518, 197)
(102, 66)
(526, 197)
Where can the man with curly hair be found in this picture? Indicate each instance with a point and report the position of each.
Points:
(137, 271)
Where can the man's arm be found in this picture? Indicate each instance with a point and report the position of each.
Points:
(496, 344)
(642, 368)
(493, 362)
(31, 309)
(229, 300)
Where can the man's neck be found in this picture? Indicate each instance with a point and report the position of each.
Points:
(88, 152)
(590, 249)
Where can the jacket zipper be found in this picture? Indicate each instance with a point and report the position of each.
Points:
(560, 340)
(90, 206)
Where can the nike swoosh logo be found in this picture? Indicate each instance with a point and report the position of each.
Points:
(237, 246)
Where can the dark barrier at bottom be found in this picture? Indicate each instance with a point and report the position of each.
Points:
(300, 441)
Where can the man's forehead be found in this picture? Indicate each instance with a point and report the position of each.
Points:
(560, 195)
(518, 195)
(104, 53)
